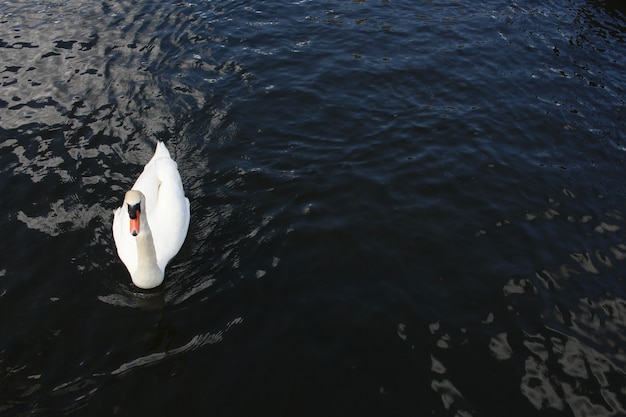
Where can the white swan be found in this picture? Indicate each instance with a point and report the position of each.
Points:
(151, 226)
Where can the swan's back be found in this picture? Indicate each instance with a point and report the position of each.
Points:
(167, 208)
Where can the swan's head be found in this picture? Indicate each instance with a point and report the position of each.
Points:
(134, 202)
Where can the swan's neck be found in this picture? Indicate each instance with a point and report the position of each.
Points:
(148, 274)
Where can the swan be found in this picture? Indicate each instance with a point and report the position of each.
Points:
(151, 225)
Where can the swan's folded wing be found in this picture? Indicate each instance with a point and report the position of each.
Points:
(173, 224)
(170, 215)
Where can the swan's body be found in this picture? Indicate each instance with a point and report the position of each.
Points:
(151, 226)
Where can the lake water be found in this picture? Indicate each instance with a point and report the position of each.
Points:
(398, 208)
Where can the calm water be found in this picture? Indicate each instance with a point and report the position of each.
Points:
(398, 208)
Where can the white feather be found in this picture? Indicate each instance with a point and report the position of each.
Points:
(166, 213)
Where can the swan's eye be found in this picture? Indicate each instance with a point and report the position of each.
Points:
(134, 210)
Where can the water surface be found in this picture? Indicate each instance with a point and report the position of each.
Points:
(398, 208)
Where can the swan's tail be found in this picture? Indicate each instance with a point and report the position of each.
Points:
(161, 151)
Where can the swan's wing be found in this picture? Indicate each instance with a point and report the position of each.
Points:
(161, 168)
(170, 217)
(172, 231)
(148, 183)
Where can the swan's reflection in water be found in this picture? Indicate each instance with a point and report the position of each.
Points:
(145, 300)
(162, 334)
(195, 343)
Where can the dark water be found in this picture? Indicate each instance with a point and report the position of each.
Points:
(398, 208)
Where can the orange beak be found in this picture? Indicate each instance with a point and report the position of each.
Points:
(134, 225)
